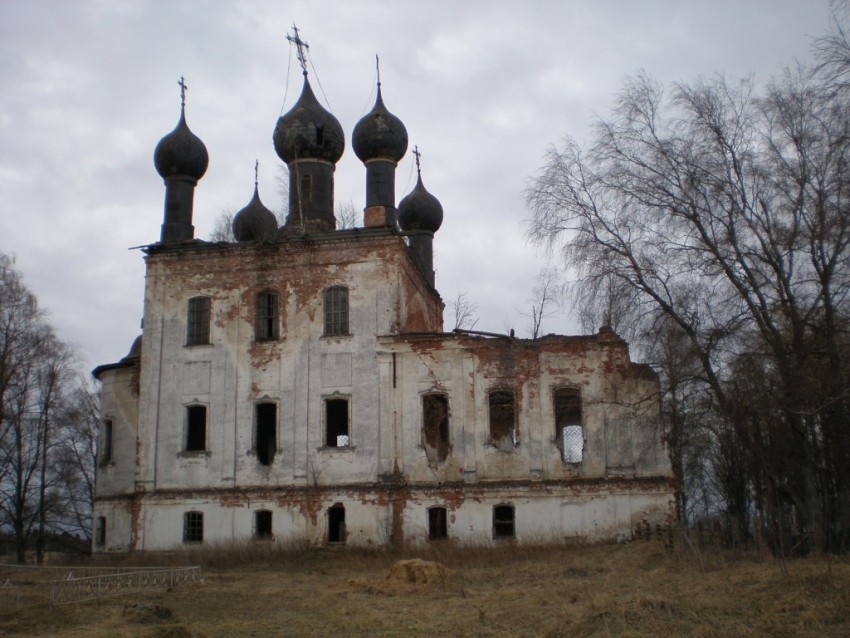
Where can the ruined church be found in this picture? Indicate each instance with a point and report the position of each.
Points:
(296, 385)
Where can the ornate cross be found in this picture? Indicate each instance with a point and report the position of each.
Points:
(183, 88)
(300, 45)
(418, 155)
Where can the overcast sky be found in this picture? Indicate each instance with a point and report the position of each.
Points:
(483, 86)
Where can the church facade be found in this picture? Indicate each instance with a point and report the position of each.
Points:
(296, 385)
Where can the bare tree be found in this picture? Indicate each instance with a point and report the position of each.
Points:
(223, 227)
(722, 213)
(346, 215)
(462, 310)
(36, 375)
(546, 295)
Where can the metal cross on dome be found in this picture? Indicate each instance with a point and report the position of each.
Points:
(300, 45)
(418, 155)
(183, 88)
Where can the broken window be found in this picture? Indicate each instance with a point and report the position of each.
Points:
(336, 524)
(268, 318)
(262, 524)
(100, 531)
(106, 455)
(503, 521)
(198, 324)
(435, 426)
(502, 420)
(193, 527)
(196, 428)
(569, 434)
(336, 310)
(437, 527)
(266, 432)
(336, 423)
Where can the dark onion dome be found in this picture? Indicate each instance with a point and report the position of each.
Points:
(181, 152)
(308, 131)
(420, 210)
(135, 350)
(379, 134)
(255, 221)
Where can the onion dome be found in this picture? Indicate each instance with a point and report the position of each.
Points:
(181, 153)
(379, 134)
(135, 350)
(420, 210)
(255, 221)
(308, 131)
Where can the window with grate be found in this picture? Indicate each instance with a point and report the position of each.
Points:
(196, 428)
(336, 311)
(193, 527)
(503, 521)
(198, 322)
(268, 317)
(569, 433)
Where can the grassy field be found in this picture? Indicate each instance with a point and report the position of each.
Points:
(637, 589)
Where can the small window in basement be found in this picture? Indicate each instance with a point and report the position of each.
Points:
(106, 455)
(435, 426)
(193, 527)
(437, 527)
(502, 420)
(336, 310)
(196, 428)
(268, 317)
(100, 531)
(569, 433)
(263, 524)
(336, 523)
(198, 322)
(266, 432)
(503, 521)
(336, 423)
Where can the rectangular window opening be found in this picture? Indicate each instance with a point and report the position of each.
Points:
(266, 433)
(196, 428)
(193, 527)
(568, 424)
(336, 524)
(437, 527)
(198, 324)
(336, 423)
(503, 521)
(100, 531)
(336, 311)
(263, 524)
(268, 317)
(435, 426)
(502, 420)
(106, 456)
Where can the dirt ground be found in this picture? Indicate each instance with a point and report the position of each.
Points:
(638, 589)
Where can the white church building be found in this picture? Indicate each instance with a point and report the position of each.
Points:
(296, 385)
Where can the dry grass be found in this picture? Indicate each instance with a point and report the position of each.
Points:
(632, 590)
